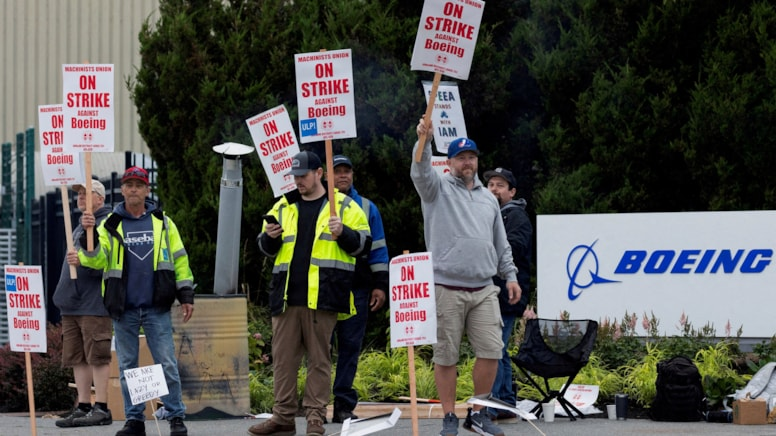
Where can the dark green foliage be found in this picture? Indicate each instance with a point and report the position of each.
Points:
(209, 65)
(597, 106)
(50, 380)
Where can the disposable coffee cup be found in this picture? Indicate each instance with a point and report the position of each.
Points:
(611, 411)
(548, 412)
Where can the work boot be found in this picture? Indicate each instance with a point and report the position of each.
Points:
(315, 428)
(341, 415)
(270, 427)
(67, 421)
(177, 428)
(133, 427)
(97, 416)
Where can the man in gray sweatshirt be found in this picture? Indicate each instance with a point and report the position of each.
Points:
(465, 233)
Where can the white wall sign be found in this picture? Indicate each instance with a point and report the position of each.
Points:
(447, 35)
(412, 302)
(275, 141)
(88, 107)
(26, 308)
(60, 166)
(714, 267)
(145, 383)
(447, 114)
(324, 93)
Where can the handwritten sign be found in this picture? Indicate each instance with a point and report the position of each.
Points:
(447, 36)
(412, 301)
(145, 383)
(88, 107)
(275, 141)
(26, 308)
(324, 93)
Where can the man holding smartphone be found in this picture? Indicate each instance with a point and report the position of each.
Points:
(311, 281)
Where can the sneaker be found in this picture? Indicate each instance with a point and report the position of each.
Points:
(271, 427)
(133, 427)
(96, 416)
(480, 423)
(67, 421)
(449, 425)
(177, 428)
(315, 428)
(341, 416)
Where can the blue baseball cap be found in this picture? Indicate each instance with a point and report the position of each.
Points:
(459, 145)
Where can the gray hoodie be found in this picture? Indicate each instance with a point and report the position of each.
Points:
(82, 296)
(463, 229)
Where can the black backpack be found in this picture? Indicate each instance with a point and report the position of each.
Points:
(679, 393)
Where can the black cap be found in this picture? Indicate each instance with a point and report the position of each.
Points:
(304, 162)
(341, 159)
(504, 174)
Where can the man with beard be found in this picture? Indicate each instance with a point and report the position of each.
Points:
(463, 229)
(314, 256)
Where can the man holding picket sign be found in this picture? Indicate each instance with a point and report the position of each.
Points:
(462, 223)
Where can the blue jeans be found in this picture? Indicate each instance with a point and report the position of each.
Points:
(502, 386)
(350, 333)
(157, 326)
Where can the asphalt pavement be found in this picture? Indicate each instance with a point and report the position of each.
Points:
(20, 425)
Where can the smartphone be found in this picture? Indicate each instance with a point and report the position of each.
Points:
(270, 219)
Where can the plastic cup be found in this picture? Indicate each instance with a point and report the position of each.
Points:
(548, 412)
(611, 411)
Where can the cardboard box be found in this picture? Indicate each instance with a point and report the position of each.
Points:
(746, 411)
(115, 399)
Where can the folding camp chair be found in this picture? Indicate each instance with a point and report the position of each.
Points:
(555, 348)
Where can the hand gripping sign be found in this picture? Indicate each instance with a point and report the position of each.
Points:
(324, 93)
(88, 113)
(447, 35)
(275, 141)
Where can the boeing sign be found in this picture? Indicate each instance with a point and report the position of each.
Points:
(716, 267)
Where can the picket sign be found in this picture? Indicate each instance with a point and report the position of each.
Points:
(445, 42)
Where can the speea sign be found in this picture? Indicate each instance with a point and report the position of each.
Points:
(716, 267)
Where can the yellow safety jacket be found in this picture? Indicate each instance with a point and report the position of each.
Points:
(330, 274)
(172, 275)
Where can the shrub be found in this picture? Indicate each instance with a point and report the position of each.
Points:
(49, 378)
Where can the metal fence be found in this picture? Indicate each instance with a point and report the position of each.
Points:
(47, 235)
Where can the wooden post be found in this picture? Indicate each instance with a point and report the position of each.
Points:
(330, 179)
(88, 186)
(30, 393)
(68, 227)
(427, 115)
(413, 385)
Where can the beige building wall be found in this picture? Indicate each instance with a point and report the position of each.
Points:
(38, 36)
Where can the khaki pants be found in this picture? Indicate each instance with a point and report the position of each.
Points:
(297, 331)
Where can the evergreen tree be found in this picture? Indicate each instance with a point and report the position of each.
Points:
(207, 65)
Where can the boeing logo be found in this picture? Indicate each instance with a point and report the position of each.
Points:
(583, 257)
(582, 264)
